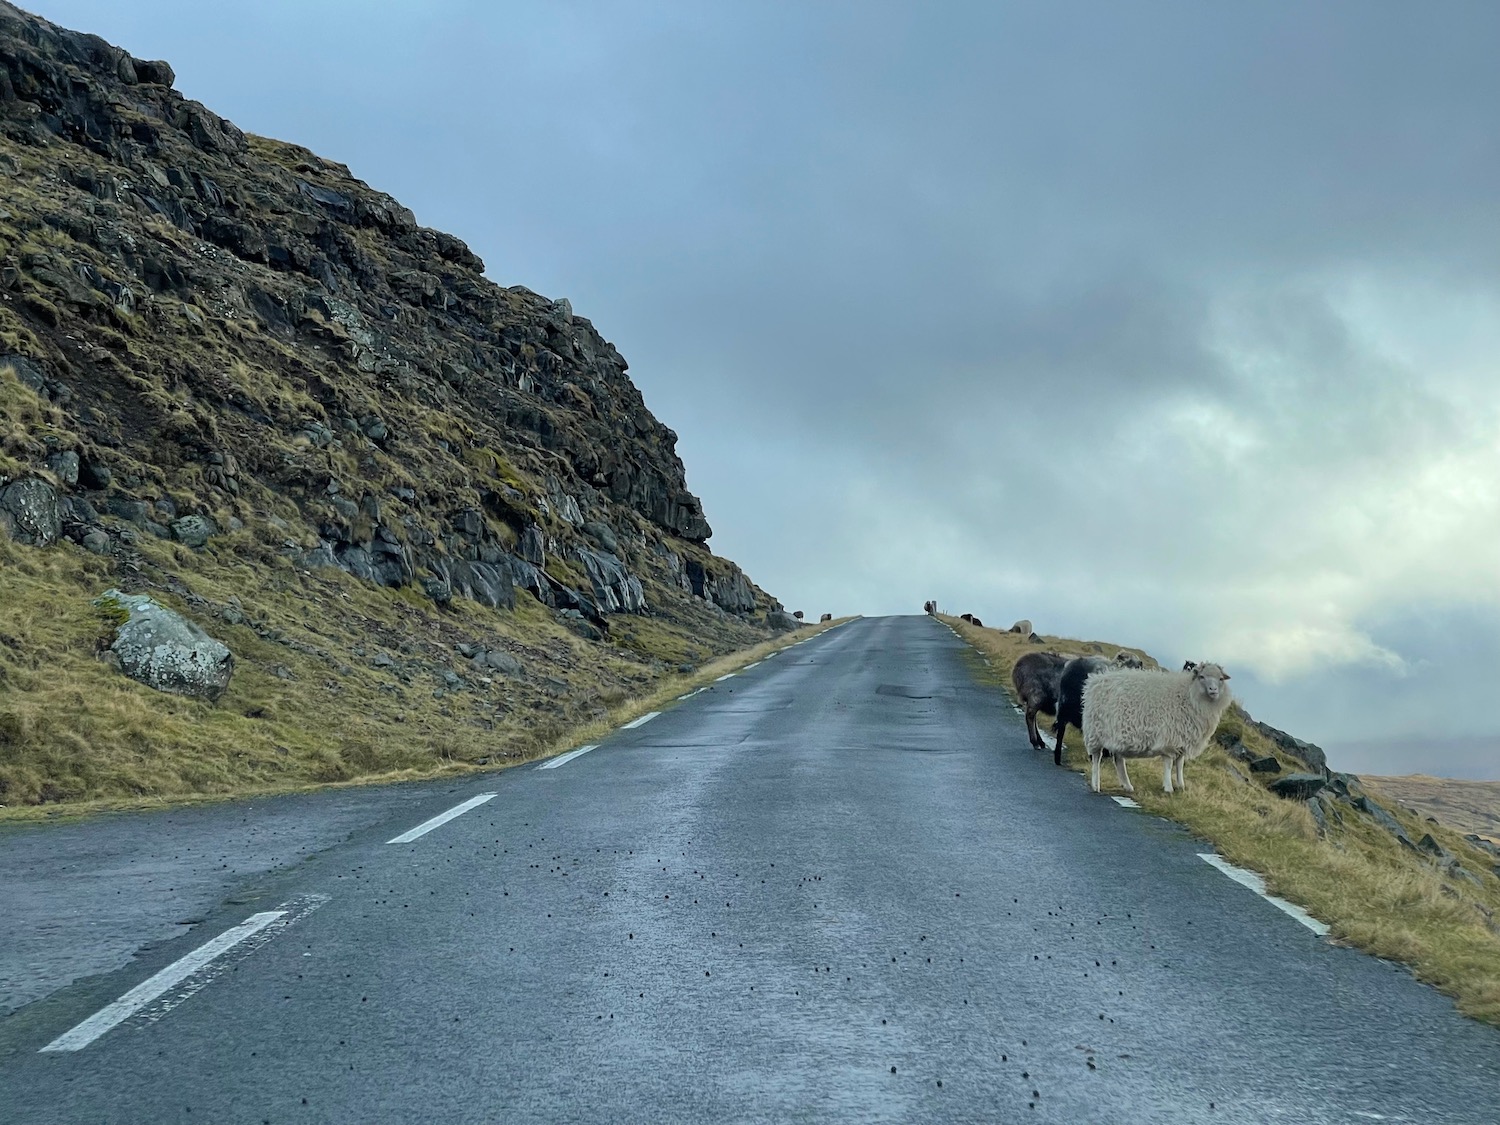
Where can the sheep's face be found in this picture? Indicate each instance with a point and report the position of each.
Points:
(1210, 678)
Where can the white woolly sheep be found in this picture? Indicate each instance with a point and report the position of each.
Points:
(1147, 713)
(1023, 627)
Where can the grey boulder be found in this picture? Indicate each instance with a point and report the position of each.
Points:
(1298, 786)
(498, 660)
(30, 512)
(65, 466)
(166, 651)
(194, 531)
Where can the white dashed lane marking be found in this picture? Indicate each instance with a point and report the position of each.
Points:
(1258, 885)
(642, 721)
(564, 759)
(721, 679)
(195, 970)
(1126, 802)
(441, 819)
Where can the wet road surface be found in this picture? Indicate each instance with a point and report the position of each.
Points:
(836, 887)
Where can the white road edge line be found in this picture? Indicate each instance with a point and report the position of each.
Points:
(721, 679)
(642, 721)
(1258, 885)
(441, 819)
(747, 667)
(1126, 802)
(148, 990)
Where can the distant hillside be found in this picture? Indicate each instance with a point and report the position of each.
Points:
(1469, 806)
(431, 516)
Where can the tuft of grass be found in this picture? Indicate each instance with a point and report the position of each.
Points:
(1375, 894)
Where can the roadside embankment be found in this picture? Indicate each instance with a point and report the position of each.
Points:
(1384, 879)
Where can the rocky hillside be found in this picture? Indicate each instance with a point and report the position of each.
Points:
(239, 379)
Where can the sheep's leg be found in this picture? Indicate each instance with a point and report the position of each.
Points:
(1031, 732)
(1062, 728)
(1095, 759)
(1166, 773)
(1181, 777)
(1124, 776)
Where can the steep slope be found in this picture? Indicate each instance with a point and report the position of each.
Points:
(236, 377)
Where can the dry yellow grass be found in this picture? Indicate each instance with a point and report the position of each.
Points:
(1374, 893)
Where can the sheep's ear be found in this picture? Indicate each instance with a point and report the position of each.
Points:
(1226, 675)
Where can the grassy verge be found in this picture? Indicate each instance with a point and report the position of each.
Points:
(136, 736)
(1376, 894)
(335, 679)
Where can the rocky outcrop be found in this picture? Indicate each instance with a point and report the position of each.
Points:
(616, 590)
(166, 651)
(224, 325)
(1305, 752)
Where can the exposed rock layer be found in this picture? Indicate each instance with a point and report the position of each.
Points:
(231, 331)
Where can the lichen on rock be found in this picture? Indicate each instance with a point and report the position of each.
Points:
(164, 650)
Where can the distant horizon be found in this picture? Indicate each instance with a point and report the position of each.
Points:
(1478, 758)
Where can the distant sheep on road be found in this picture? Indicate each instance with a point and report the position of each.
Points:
(1146, 713)
(825, 617)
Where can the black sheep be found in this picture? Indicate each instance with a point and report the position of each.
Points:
(1035, 677)
(1070, 696)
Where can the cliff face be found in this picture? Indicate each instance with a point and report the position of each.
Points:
(219, 348)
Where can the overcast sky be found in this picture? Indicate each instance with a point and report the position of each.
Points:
(1172, 324)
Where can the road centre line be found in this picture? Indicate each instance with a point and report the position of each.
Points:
(157, 985)
(441, 819)
(1258, 885)
(564, 759)
(642, 721)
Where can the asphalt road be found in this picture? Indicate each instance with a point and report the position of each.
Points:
(836, 887)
